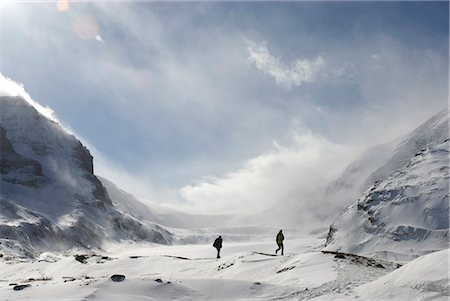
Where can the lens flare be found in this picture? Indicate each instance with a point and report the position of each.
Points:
(62, 5)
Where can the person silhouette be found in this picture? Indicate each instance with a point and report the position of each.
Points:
(279, 239)
(218, 245)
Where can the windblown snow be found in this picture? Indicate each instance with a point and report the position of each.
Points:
(66, 234)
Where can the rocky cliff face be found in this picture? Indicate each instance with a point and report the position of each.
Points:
(49, 195)
(404, 214)
(13, 163)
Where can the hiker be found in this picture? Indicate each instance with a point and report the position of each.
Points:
(218, 245)
(280, 238)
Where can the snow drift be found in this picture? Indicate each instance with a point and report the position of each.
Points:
(425, 278)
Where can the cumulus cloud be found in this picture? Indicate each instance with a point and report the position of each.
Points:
(302, 166)
(301, 71)
(8, 87)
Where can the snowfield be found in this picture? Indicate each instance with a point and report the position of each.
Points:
(246, 271)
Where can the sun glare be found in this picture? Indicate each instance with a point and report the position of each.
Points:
(62, 5)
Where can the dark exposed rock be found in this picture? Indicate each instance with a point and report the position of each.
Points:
(362, 260)
(330, 235)
(69, 279)
(5, 144)
(81, 258)
(177, 257)
(85, 161)
(99, 191)
(158, 280)
(11, 161)
(21, 287)
(117, 278)
(84, 157)
(286, 269)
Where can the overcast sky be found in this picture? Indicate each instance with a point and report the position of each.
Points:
(219, 104)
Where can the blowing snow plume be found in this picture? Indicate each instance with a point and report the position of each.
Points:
(301, 168)
(8, 87)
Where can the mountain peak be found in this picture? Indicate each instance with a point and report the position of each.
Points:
(48, 174)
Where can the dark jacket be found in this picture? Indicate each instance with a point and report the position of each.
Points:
(218, 243)
(280, 238)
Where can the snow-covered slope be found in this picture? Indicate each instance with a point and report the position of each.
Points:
(379, 161)
(49, 195)
(425, 278)
(430, 134)
(405, 214)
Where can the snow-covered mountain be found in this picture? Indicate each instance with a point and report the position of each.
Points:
(379, 161)
(430, 134)
(50, 198)
(405, 213)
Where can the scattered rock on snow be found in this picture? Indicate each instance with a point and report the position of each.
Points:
(118, 278)
(68, 279)
(362, 260)
(81, 258)
(286, 269)
(177, 257)
(21, 287)
(225, 266)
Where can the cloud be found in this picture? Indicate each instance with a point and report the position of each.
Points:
(301, 71)
(181, 94)
(300, 167)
